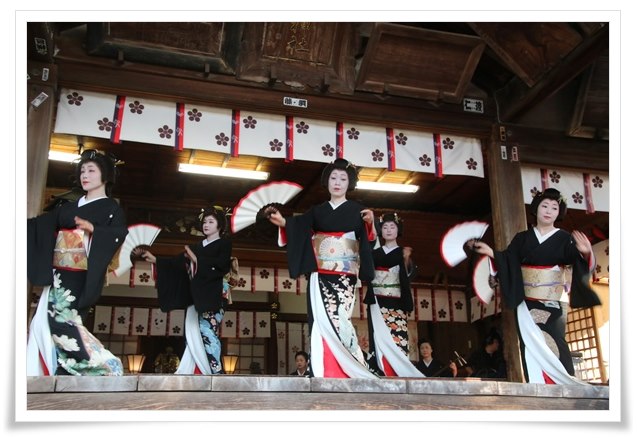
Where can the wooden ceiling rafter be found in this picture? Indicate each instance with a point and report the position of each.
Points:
(516, 98)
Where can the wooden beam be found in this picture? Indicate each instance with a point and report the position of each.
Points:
(517, 98)
(555, 149)
(161, 83)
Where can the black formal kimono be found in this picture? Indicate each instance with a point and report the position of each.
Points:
(542, 320)
(333, 245)
(71, 265)
(434, 369)
(201, 290)
(389, 302)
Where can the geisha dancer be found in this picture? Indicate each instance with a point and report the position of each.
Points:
(331, 242)
(196, 280)
(68, 252)
(541, 272)
(389, 301)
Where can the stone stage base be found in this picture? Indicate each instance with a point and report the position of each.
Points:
(245, 392)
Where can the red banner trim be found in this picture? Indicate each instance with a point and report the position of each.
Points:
(179, 126)
(118, 115)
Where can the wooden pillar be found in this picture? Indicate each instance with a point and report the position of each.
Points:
(39, 124)
(509, 218)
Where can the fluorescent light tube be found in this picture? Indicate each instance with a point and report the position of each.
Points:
(223, 171)
(63, 156)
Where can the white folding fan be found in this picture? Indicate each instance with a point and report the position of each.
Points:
(481, 286)
(139, 235)
(276, 192)
(452, 243)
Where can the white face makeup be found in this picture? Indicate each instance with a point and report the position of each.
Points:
(91, 176)
(210, 226)
(389, 231)
(547, 212)
(337, 183)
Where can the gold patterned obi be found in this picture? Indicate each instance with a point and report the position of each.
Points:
(547, 283)
(386, 282)
(336, 252)
(70, 252)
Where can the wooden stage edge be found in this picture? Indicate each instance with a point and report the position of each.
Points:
(246, 392)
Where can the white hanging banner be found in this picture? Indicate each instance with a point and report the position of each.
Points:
(602, 263)
(158, 321)
(229, 325)
(461, 156)
(459, 306)
(571, 186)
(414, 150)
(140, 321)
(85, 113)
(142, 274)
(103, 318)
(245, 281)
(423, 309)
(261, 134)
(283, 281)
(365, 145)
(476, 309)
(175, 322)
(600, 190)
(241, 132)
(264, 279)
(121, 320)
(262, 328)
(246, 324)
(314, 140)
(207, 128)
(149, 121)
(582, 191)
(441, 308)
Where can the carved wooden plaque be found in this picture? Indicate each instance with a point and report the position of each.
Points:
(316, 55)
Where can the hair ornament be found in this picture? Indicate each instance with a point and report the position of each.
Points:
(90, 154)
(219, 209)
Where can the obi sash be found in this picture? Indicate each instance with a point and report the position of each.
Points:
(386, 282)
(547, 283)
(70, 250)
(336, 252)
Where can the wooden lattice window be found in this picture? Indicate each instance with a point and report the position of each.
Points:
(251, 352)
(583, 341)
